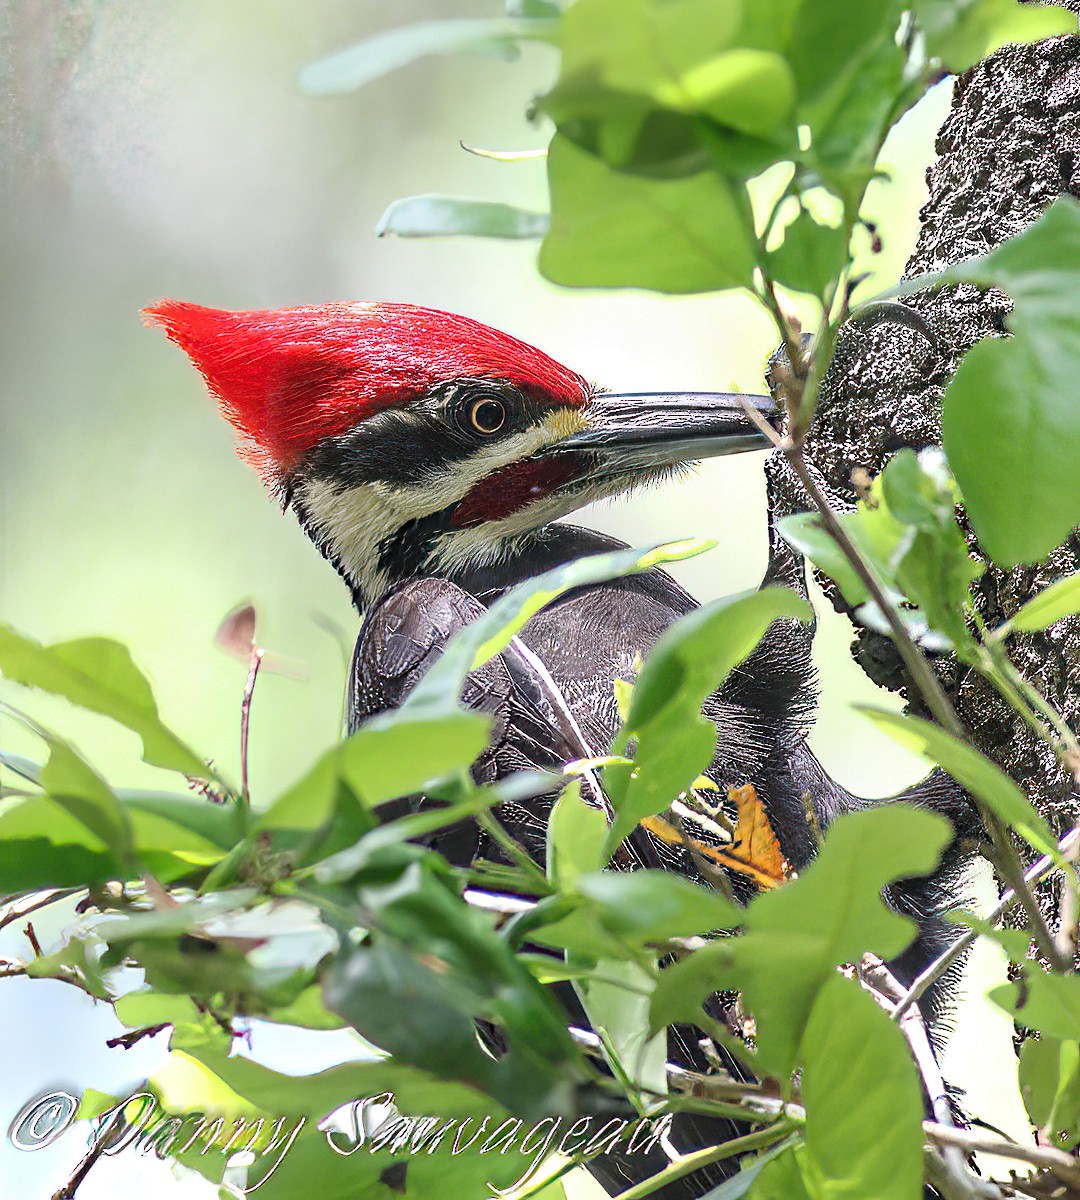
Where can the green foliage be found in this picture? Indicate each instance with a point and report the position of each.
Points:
(907, 535)
(796, 935)
(960, 32)
(1061, 599)
(98, 674)
(1050, 1085)
(318, 911)
(361, 64)
(442, 216)
(971, 769)
(675, 743)
(1009, 428)
(850, 1043)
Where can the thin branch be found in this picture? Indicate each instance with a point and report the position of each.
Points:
(1040, 868)
(1063, 1165)
(925, 678)
(129, 1039)
(876, 977)
(257, 653)
(32, 938)
(32, 902)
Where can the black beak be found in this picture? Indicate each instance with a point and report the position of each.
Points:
(642, 430)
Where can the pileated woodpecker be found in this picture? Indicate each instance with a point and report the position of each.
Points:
(429, 458)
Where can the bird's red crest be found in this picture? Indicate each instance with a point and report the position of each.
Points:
(287, 378)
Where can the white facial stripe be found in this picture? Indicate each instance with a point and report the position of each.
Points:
(353, 521)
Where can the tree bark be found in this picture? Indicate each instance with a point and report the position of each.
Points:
(1009, 146)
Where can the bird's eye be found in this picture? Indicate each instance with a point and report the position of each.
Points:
(487, 416)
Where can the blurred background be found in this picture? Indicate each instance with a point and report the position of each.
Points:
(155, 150)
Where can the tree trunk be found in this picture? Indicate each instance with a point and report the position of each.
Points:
(1009, 146)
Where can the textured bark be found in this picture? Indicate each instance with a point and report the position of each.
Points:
(1009, 146)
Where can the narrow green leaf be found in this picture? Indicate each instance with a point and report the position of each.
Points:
(453, 216)
(971, 770)
(1060, 599)
(689, 662)
(99, 674)
(385, 52)
(694, 656)
(491, 633)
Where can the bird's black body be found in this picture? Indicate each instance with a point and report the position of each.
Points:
(411, 443)
(581, 644)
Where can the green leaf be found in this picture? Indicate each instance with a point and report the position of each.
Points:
(98, 674)
(610, 229)
(616, 1003)
(972, 771)
(433, 967)
(876, 534)
(1060, 599)
(696, 654)
(452, 216)
(810, 257)
(689, 662)
(748, 90)
(653, 906)
(780, 1179)
(72, 783)
(215, 825)
(241, 1087)
(863, 1099)
(960, 32)
(42, 846)
(1043, 1001)
(576, 834)
(907, 533)
(753, 1165)
(390, 756)
(490, 634)
(1050, 1086)
(796, 935)
(385, 52)
(1008, 414)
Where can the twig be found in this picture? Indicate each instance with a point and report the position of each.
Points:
(32, 902)
(32, 938)
(1066, 940)
(1040, 868)
(922, 675)
(876, 977)
(129, 1039)
(257, 653)
(968, 1141)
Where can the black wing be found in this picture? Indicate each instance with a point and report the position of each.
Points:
(402, 636)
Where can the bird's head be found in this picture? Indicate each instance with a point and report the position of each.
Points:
(410, 441)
